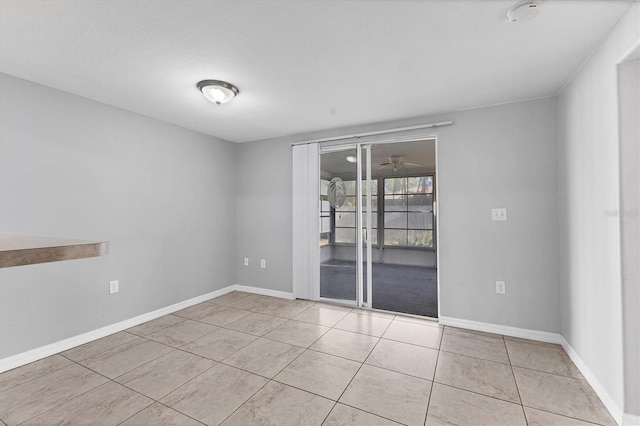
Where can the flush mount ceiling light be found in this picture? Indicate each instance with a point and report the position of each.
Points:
(218, 92)
(351, 158)
(524, 12)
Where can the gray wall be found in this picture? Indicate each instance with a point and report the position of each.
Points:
(503, 156)
(629, 90)
(588, 164)
(263, 215)
(161, 195)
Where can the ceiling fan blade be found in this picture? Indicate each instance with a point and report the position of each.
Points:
(385, 164)
(412, 164)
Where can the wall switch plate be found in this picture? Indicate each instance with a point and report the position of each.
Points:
(114, 286)
(263, 263)
(246, 261)
(498, 215)
(501, 287)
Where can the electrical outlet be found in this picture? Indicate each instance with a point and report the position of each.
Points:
(499, 215)
(263, 263)
(246, 261)
(114, 286)
(501, 287)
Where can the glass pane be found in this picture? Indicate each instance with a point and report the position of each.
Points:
(325, 224)
(420, 221)
(351, 187)
(374, 204)
(324, 187)
(420, 238)
(349, 204)
(326, 207)
(395, 237)
(345, 219)
(420, 203)
(395, 220)
(374, 187)
(420, 185)
(395, 186)
(346, 235)
(395, 203)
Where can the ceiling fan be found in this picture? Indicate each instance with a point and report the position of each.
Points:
(396, 164)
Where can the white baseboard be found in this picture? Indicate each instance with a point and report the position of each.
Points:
(630, 420)
(264, 291)
(32, 355)
(549, 337)
(608, 402)
(541, 336)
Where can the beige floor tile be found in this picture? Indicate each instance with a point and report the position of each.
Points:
(286, 308)
(200, 310)
(389, 394)
(476, 345)
(533, 342)
(155, 325)
(344, 415)
(450, 406)
(477, 375)
(561, 395)
(334, 306)
(229, 298)
(163, 375)
(322, 374)
(542, 418)
(297, 333)
(32, 371)
(215, 394)
(256, 324)
(346, 344)
(181, 333)
(44, 393)
(456, 330)
(219, 344)
(99, 345)
(364, 324)
(321, 315)
(223, 317)
(278, 404)
(550, 359)
(416, 334)
(264, 357)
(404, 358)
(109, 404)
(254, 302)
(159, 415)
(433, 322)
(371, 312)
(121, 359)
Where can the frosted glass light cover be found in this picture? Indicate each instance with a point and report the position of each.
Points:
(218, 94)
(217, 91)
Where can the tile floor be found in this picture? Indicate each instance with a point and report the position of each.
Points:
(244, 359)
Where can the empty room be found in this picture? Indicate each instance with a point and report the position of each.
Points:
(319, 212)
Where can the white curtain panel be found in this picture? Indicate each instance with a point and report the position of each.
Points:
(306, 221)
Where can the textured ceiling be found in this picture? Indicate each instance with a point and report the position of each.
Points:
(300, 65)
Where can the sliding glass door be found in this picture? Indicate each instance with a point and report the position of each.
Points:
(345, 212)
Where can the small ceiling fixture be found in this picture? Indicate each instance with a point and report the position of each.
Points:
(524, 12)
(218, 92)
(352, 159)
